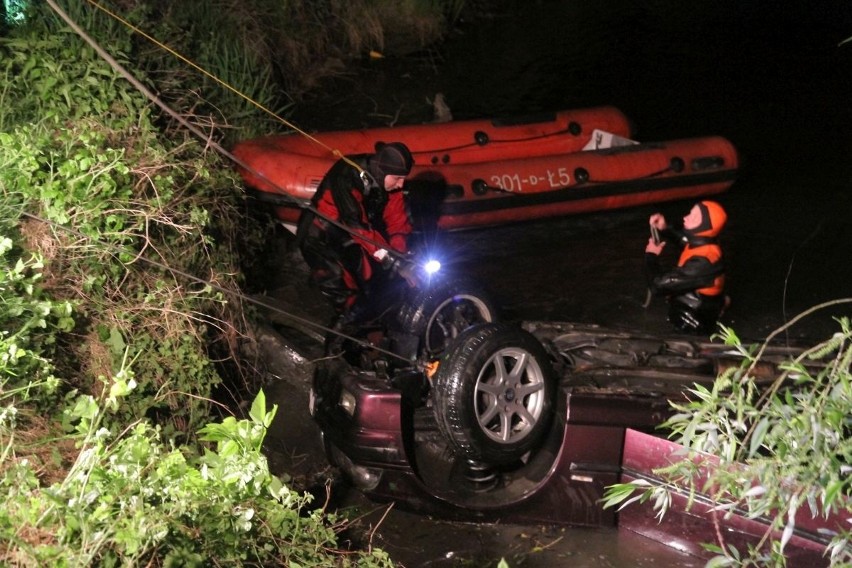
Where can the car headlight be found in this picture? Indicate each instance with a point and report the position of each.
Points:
(347, 402)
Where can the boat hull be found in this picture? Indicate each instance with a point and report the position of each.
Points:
(478, 173)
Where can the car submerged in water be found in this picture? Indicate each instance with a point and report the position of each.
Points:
(527, 423)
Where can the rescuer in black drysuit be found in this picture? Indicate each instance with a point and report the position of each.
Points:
(351, 266)
(695, 287)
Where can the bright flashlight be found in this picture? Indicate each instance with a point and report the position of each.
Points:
(432, 266)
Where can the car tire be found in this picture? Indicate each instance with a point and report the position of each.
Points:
(493, 393)
(435, 315)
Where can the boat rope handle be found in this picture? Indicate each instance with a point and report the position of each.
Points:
(207, 139)
(494, 141)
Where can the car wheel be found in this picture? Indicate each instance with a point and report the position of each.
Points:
(493, 393)
(439, 313)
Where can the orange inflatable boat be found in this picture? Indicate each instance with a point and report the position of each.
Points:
(487, 172)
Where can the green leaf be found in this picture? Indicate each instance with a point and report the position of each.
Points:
(834, 488)
(757, 437)
(719, 562)
(258, 408)
(116, 342)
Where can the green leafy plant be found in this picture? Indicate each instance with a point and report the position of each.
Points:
(113, 209)
(122, 241)
(28, 323)
(774, 453)
(130, 498)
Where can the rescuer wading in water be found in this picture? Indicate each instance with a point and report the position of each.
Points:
(695, 287)
(352, 272)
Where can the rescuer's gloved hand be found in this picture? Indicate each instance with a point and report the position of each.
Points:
(405, 267)
(658, 222)
(384, 258)
(408, 271)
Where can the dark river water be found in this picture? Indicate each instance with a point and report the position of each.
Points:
(773, 81)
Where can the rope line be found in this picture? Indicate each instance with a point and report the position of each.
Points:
(207, 139)
(217, 147)
(334, 151)
(337, 153)
(115, 249)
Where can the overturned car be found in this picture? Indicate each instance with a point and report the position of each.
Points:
(529, 423)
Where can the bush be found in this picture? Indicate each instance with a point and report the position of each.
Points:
(132, 499)
(122, 321)
(780, 451)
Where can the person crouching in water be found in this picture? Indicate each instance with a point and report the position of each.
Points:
(348, 262)
(695, 287)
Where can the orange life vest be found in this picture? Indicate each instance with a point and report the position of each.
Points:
(711, 252)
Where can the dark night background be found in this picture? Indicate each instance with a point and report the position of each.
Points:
(773, 79)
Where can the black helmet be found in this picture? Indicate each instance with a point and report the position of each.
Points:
(392, 159)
